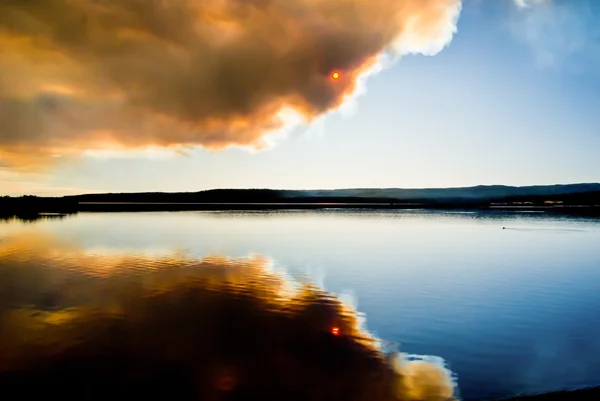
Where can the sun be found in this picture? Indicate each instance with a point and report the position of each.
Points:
(335, 75)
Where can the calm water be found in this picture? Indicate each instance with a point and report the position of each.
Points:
(510, 310)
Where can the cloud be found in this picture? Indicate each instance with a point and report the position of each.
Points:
(529, 3)
(90, 74)
(561, 34)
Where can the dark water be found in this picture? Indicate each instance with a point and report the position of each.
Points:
(511, 301)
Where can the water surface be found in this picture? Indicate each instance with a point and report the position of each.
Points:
(511, 301)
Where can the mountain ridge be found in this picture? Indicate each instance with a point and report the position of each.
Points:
(482, 196)
(478, 192)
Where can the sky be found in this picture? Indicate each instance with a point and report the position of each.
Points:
(132, 95)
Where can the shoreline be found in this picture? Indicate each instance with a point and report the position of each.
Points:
(251, 206)
(53, 210)
(567, 198)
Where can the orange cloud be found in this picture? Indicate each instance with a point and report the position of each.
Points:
(80, 74)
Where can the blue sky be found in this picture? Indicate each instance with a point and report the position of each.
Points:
(514, 99)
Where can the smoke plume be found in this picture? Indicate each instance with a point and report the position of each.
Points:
(81, 74)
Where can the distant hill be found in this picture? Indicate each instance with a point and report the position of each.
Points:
(478, 196)
(481, 193)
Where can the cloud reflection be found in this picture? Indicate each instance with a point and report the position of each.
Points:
(211, 328)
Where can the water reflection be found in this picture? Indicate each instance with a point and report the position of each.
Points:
(86, 324)
(34, 217)
(511, 310)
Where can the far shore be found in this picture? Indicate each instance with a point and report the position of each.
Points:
(225, 206)
(48, 211)
(582, 199)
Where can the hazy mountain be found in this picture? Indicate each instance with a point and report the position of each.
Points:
(481, 192)
(479, 196)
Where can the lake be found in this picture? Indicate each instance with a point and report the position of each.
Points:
(509, 300)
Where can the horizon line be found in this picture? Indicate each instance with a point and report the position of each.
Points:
(305, 189)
